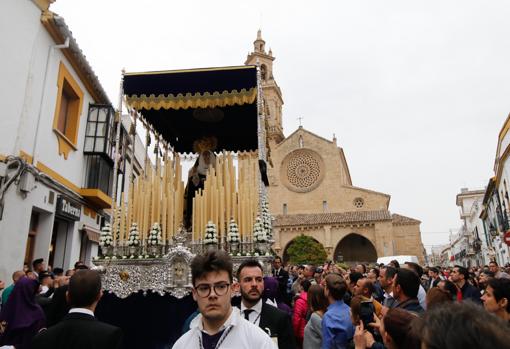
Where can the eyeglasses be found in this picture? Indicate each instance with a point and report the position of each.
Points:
(204, 290)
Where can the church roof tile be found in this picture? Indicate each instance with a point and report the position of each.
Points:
(331, 218)
(403, 220)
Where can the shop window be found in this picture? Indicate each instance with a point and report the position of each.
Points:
(67, 111)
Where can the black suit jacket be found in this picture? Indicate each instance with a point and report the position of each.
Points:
(79, 331)
(283, 278)
(278, 322)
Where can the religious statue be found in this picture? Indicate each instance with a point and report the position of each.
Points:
(198, 173)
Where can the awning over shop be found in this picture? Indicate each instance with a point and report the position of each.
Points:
(92, 233)
(188, 105)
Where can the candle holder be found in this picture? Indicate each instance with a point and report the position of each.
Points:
(107, 250)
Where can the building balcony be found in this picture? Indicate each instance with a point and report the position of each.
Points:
(96, 197)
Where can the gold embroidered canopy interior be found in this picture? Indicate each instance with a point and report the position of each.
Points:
(186, 105)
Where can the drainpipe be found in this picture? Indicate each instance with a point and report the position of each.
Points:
(43, 94)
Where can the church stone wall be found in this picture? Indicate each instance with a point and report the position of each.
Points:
(408, 241)
(333, 176)
(315, 179)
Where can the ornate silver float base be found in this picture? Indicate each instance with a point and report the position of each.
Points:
(169, 274)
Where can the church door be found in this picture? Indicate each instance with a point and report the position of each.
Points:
(355, 248)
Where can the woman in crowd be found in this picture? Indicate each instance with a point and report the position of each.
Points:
(496, 298)
(437, 296)
(317, 304)
(21, 318)
(448, 286)
(300, 312)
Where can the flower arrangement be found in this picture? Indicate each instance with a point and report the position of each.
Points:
(210, 234)
(134, 235)
(266, 218)
(259, 234)
(233, 232)
(106, 236)
(155, 235)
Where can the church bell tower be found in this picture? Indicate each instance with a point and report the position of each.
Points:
(273, 100)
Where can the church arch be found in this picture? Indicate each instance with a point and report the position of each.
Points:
(285, 255)
(355, 248)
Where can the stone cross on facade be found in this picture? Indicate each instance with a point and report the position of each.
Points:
(300, 120)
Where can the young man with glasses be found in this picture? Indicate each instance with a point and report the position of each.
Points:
(218, 325)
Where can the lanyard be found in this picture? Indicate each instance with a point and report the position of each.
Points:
(255, 321)
(222, 338)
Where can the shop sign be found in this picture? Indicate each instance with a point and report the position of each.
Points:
(507, 238)
(68, 209)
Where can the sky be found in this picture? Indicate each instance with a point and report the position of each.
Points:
(416, 92)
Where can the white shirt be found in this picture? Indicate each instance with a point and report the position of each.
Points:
(239, 334)
(81, 311)
(421, 297)
(254, 316)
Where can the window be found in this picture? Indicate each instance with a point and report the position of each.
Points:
(324, 206)
(99, 135)
(263, 72)
(67, 111)
(358, 202)
(99, 173)
(284, 208)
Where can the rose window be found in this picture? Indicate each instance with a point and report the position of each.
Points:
(358, 202)
(302, 170)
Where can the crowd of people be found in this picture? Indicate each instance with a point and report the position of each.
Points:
(379, 306)
(50, 308)
(298, 306)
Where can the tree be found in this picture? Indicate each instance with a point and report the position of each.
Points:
(305, 250)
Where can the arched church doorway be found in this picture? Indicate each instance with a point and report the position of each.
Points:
(355, 248)
(285, 255)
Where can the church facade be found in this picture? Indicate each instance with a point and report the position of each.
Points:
(311, 190)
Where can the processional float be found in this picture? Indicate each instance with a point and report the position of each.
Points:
(153, 236)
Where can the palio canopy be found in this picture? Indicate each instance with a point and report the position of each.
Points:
(188, 105)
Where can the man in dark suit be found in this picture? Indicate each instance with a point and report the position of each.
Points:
(272, 320)
(433, 277)
(282, 276)
(80, 329)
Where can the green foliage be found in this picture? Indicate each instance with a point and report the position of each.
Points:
(305, 250)
(344, 266)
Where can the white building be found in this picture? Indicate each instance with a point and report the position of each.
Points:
(496, 202)
(475, 241)
(57, 132)
(436, 255)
